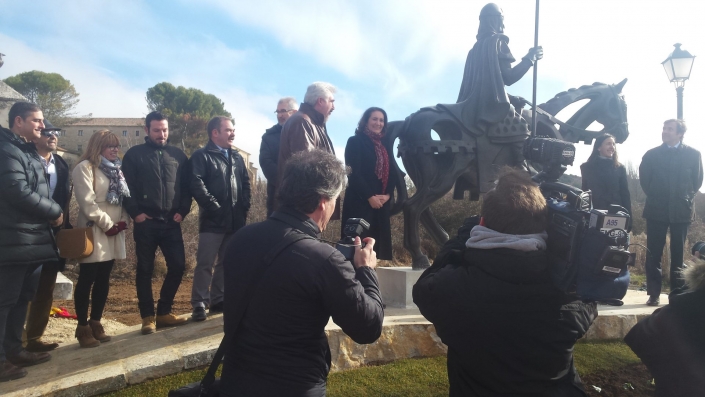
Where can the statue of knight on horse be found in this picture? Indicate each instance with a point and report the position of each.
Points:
(486, 130)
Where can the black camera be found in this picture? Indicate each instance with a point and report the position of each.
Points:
(699, 247)
(551, 155)
(354, 227)
(587, 248)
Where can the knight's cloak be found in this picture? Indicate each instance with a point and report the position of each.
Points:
(483, 100)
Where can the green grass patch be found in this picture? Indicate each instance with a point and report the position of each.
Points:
(411, 377)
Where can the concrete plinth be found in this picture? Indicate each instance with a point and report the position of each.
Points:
(64, 288)
(396, 283)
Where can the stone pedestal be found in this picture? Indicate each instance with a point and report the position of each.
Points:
(396, 284)
(64, 288)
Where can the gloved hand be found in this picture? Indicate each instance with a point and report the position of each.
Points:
(534, 54)
(113, 230)
(121, 226)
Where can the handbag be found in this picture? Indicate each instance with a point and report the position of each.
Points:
(76, 243)
(210, 386)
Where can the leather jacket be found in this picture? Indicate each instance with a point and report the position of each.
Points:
(221, 187)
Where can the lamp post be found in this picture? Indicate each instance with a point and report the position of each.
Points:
(678, 66)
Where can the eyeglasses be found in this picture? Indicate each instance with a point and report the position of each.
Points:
(113, 147)
(50, 133)
(282, 111)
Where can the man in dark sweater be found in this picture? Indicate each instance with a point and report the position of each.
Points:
(279, 348)
(489, 294)
(670, 175)
(269, 149)
(157, 176)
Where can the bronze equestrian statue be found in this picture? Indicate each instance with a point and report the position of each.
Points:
(486, 130)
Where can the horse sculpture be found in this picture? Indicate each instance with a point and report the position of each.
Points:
(469, 161)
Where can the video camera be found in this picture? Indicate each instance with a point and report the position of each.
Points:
(354, 227)
(587, 248)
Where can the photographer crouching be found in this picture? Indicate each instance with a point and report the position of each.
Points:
(489, 294)
(275, 326)
(671, 341)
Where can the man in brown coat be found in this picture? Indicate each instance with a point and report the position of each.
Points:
(306, 130)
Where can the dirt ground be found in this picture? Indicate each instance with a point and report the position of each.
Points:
(122, 300)
(621, 382)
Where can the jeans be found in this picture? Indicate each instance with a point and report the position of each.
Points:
(208, 279)
(92, 288)
(38, 314)
(148, 236)
(655, 241)
(18, 284)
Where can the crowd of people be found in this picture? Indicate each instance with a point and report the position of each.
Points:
(277, 284)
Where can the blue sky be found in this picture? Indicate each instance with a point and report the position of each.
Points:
(400, 55)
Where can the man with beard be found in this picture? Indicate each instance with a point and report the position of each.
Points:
(306, 129)
(26, 214)
(221, 187)
(156, 174)
(269, 149)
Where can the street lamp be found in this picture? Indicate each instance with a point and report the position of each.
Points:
(678, 66)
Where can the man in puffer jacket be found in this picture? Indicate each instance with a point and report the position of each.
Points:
(671, 341)
(26, 241)
(489, 294)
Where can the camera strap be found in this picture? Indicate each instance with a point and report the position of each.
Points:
(290, 238)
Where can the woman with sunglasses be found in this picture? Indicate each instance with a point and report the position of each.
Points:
(100, 187)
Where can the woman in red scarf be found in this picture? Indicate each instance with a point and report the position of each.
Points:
(370, 183)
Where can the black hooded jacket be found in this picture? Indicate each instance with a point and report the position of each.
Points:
(509, 331)
(25, 207)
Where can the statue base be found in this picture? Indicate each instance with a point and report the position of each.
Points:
(396, 283)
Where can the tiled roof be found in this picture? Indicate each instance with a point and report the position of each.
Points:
(6, 92)
(109, 122)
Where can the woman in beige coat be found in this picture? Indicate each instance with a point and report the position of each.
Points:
(99, 186)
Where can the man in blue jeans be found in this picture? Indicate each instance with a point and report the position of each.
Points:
(157, 177)
(26, 214)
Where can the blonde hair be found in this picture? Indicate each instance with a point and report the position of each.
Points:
(515, 205)
(99, 141)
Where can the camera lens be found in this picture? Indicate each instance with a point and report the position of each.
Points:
(699, 247)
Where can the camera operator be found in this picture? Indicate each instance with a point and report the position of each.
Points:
(280, 347)
(671, 341)
(489, 294)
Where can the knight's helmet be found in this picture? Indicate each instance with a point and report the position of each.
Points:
(491, 9)
(491, 20)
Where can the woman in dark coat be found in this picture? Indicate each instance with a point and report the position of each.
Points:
(605, 176)
(370, 182)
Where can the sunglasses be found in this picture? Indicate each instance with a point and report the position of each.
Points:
(50, 133)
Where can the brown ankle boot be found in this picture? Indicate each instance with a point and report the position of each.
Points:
(84, 334)
(98, 331)
(148, 325)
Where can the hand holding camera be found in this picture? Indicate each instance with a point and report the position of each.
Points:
(365, 256)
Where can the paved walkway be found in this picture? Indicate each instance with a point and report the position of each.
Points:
(132, 358)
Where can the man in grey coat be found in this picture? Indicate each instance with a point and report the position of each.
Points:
(670, 175)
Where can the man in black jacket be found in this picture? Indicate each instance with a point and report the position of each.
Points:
(157, 175)
(269, 149)
(489, 294)
(670, 175)
(221, 187)
(279, 348)
(57, 172)
(26, 216)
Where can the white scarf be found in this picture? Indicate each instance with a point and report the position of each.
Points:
(484, 238)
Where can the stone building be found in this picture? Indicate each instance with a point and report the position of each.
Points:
(8, 97)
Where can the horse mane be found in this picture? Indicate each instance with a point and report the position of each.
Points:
(560, 96)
